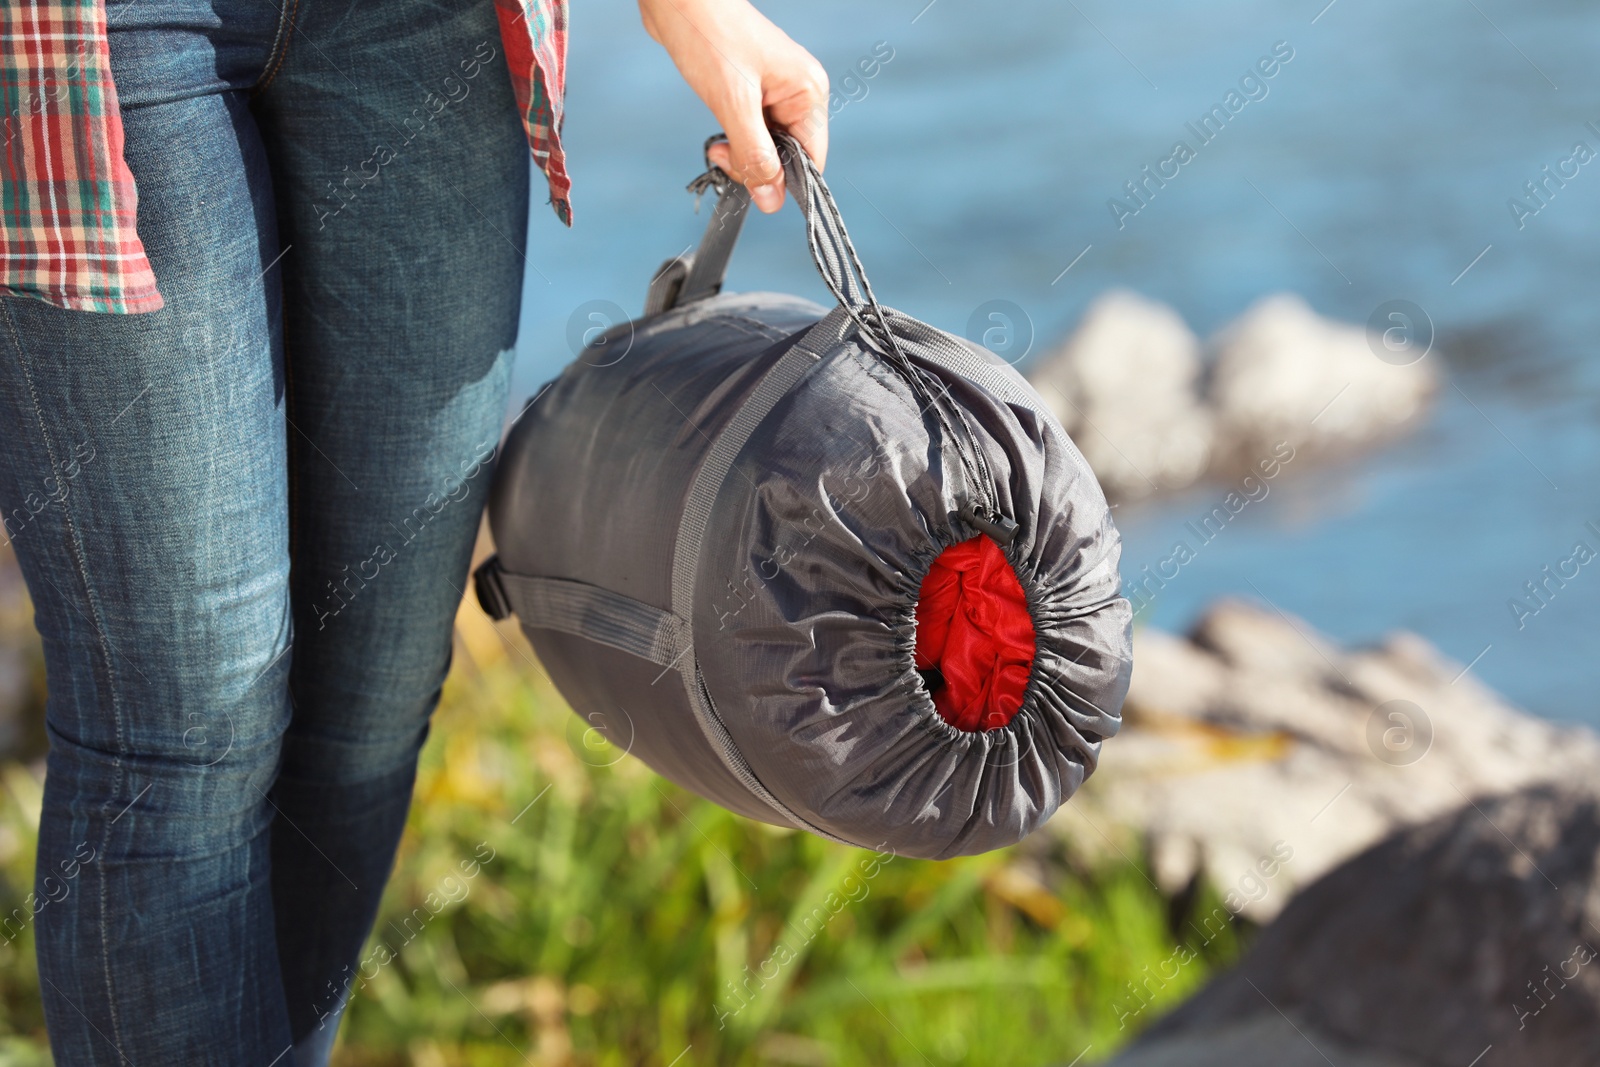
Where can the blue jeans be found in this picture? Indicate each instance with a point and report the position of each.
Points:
(246, 519)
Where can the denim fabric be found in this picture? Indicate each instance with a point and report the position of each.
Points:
(245, 519)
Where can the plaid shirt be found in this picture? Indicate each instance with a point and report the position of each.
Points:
(67, 200)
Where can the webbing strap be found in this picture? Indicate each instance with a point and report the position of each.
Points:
(714, 469)
(835, 257)
(710, 263)
(774, 385)
(831, 250)
(600, 615)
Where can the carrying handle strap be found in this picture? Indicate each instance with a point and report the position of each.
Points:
(836, 260)
(583, 610)
(831, 248)
(709, 264)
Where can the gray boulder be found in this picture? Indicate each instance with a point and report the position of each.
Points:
(1468, 940)
(1125, 386)
(1284, 373)
(1152, 413)
(1267, 1040)
(1255, 736)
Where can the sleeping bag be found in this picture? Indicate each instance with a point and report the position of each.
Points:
(833, 569)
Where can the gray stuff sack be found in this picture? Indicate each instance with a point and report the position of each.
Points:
(714, 527)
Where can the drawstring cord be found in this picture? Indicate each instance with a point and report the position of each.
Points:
(836, 260)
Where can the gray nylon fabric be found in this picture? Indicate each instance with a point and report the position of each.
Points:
(600, 615)
(738, 513)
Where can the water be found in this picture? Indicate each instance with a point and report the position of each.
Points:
(978, 163)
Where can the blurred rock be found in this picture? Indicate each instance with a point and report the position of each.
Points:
(1256, 737)
(1262, 1041)
(1467, 940)
(1150, 415)
(1284, 373)
(1125, 386)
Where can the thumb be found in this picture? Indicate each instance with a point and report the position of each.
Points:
(752, 155)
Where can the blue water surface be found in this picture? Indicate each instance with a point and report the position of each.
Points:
(1375, 164)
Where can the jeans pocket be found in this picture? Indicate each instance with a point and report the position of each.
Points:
(280, 46)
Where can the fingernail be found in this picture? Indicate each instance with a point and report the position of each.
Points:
(767, 197)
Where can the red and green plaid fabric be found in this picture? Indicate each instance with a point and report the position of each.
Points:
(67, 201)
(535, 36)
(66, 198)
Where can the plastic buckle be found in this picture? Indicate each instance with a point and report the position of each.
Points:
(1002, 529)
(491, 594)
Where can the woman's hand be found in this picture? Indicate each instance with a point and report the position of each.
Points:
(749, 73)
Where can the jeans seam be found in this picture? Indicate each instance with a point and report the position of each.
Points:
(291, 462)
(75, 542)
(280, 46)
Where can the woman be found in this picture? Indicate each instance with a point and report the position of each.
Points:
(248, 427)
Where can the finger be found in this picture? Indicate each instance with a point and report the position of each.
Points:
(718, 156)
(804, 113)
(752, 155)
(815, 141)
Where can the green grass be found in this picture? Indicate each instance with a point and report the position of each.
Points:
(556, 903)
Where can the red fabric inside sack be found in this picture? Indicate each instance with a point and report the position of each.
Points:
(974, 629)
